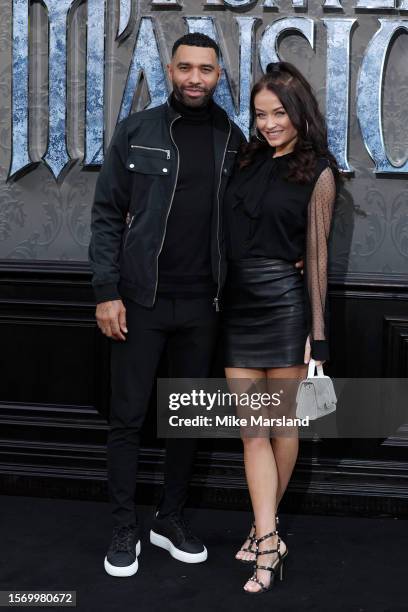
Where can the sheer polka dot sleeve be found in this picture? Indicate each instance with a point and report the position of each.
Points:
(320, 212)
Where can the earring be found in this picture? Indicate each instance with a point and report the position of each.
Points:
(261, 139)
(307, 127)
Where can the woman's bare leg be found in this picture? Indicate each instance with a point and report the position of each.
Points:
(269, 482)
(285, 451)
(285, 448)
(247, 374)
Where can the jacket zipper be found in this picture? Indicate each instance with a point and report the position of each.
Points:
(216, 299)
(167, 151)
(171, 202)
(128, 228)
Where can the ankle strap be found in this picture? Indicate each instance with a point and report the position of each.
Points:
(265, 537)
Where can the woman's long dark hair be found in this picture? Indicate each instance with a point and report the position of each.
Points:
(297, 97)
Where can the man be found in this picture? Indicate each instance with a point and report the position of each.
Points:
(158, 269)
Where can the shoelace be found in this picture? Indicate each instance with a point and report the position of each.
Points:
(122, 538)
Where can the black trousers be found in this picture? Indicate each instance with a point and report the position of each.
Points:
(187, 329)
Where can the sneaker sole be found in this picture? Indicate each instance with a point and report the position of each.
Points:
(122, 572)
(176, 553)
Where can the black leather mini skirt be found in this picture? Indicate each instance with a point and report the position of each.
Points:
(263, 314)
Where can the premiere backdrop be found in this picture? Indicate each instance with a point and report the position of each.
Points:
(68, 71)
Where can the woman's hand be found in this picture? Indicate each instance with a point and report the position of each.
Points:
(306, 358)
(308, 351)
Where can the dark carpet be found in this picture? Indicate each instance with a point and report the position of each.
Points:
(334, 564)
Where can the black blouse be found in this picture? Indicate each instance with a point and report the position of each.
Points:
(269, 216)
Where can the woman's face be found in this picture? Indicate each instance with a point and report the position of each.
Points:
(273, 122)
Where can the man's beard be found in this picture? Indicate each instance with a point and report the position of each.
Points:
(194, 102)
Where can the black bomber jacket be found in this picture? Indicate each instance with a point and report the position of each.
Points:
(133, 198)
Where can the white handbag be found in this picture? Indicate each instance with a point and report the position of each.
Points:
(315, 396)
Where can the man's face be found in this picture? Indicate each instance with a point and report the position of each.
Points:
(194, 73)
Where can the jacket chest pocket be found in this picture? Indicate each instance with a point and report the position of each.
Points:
(149, 160)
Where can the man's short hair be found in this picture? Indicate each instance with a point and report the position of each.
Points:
(196, 39)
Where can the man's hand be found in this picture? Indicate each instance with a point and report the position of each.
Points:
(111, 319)
(299, 265)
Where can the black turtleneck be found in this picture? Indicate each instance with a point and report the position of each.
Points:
(185, 260)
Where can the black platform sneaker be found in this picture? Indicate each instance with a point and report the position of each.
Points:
(173, 534)
(121, 558)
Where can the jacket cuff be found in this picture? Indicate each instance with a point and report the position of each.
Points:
(320, 350)
(106, 293)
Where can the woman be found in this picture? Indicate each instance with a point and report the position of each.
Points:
(279, 206)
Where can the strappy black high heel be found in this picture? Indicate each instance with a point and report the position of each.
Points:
(274, 568)
(252, 539)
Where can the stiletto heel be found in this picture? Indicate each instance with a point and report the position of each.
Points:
(274, 568)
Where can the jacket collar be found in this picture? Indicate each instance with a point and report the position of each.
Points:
(170, 111)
